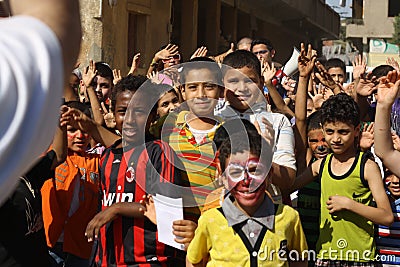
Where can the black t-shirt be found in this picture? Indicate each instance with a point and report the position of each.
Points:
(22, 238)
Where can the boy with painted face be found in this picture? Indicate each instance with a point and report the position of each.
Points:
(248, 220)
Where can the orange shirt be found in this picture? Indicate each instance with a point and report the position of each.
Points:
(78, 176)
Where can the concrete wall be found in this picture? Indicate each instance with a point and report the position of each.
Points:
(376, 24)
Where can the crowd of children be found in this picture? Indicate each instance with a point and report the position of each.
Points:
(299, 172)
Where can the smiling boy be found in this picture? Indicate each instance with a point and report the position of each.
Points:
(243, 83)
(190, 133)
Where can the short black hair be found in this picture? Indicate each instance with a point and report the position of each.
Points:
(314, 121)
(198, 63)
(229, 127)
(381, 70)
(335, 63)
(104, 70)
(263, 41)
(241, 58)
(341, 108)
(132, 83)
(79, 106)
(251, 141)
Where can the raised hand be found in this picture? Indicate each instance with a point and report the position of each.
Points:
(269, 133)
(359, 66)
(89, 73)
(108, 115)
(366, 85)
(135, 63)
(367, 136)
(117, 76)
(306, 60)
(324, 77)
(267, 71)
(154, 77)
(388, 88)
(200, 52)
(169, 51)
(392, 62)
(317, 96)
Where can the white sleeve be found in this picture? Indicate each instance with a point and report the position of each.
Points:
(31, 84)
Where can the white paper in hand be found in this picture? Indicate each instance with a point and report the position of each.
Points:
(168, 210)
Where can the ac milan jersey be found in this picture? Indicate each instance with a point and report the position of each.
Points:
(127, 175)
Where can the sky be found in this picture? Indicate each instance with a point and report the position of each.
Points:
(344, 12)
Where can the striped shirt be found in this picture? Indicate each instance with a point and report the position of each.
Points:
(388, 238)
(197, 157)
(126, 175)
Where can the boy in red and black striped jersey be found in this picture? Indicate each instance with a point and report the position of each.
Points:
(131, 168)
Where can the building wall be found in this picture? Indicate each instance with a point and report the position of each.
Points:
(376, 23)
(114, 30)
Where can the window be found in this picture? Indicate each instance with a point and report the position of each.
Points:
(394, 8)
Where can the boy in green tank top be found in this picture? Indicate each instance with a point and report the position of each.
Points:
(349, 182)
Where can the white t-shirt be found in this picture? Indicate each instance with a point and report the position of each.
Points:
(31, 85)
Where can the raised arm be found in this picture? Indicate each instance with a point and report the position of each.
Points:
(306, 64)
(388, 90)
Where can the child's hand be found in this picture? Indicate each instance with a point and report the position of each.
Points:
(89, 74)
(78, 119)
(366, 85)
(169, 51)
(367, 137)
(338, 203)
(396, 141)
(268, 72)
(101, 218)
(135, 63)
(306, 61)
(148, 209)
(184, 231)
(388, 88)
(108, 115)
(359, 66)
(117, 76)
(200, 52)
(268, 133)
(63, 119)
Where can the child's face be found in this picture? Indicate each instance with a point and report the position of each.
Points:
(243, 87)
(77, 140)
(102, 86)
(248, 192)
(340, 136)
(393, 185)
(132, 122)
(317, 143)
(337, 75)
(201, 92)
(167, 103)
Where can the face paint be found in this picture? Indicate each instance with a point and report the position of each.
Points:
(252, 172)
